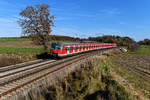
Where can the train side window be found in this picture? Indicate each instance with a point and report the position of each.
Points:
(71, 48)
(67, 49)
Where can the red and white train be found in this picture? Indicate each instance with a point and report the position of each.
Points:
(60, 49)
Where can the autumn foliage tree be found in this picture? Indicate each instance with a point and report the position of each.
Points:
(36, 22)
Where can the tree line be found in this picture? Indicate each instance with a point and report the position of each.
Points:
(120, 41)
(144, 42)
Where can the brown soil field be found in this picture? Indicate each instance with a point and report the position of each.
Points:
(139, 63)
(136, 69)
(20, 44)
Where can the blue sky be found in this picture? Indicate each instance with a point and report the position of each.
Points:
(84, 18)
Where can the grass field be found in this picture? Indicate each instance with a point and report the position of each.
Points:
(13, 39)
(143, 50)
(11, 50)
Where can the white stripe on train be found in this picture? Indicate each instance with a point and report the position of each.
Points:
(61, 55)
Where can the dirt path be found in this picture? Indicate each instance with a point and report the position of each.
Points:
(128, 86)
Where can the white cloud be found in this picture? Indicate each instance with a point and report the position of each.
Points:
(9, 27)
(64, 18)
(56, 9)
(110, 11)
(67, 32)
(122, 23)
(85, 15)
(8, 20)
(73, 17)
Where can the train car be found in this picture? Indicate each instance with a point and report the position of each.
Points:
(60, 49)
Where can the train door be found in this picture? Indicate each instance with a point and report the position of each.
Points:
(74, 49)
(63, 50)
(68, 49)
(77, 48)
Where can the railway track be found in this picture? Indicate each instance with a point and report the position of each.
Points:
(12, 67)
(13, 79)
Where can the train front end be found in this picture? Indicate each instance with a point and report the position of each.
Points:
(55, 49)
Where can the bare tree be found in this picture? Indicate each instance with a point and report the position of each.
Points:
(36, 22)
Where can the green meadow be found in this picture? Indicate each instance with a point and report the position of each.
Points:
(11, 50)
(145, 50)
(13, 39)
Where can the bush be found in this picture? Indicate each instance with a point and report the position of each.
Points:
(92, 82)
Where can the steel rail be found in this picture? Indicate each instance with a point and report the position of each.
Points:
(38, 76)
(25, 79)
(9, 77)
(28, 81)
(12, 67)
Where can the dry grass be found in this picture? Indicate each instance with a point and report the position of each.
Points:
(11, 59)
(92, 82)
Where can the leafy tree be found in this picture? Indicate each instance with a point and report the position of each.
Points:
(36, 22)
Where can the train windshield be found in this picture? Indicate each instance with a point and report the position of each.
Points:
(56, 46)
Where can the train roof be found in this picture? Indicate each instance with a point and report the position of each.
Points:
(64, 43)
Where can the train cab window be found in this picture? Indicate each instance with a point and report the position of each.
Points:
(56, 46)
(53, 45)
